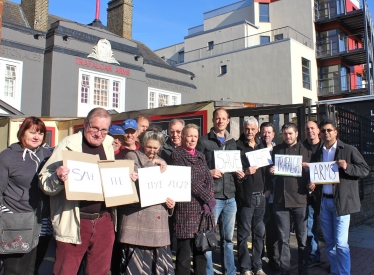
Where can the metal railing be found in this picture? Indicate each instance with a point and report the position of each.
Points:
(248, 41)
(340, 84)
(339, 44)
(170, 61)
(329, 9)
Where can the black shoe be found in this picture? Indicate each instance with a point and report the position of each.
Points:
(273, 265)
(314, 263)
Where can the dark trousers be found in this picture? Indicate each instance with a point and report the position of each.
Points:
(116, 258)
(282, 219)
(183, 259)
(41, 251)
(19, 263)
(246, 217)
(97, 243)
(271, 239)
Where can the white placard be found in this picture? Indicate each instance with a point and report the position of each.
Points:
(84, 177)
(288, 165)
(155, 187)
(227, 160)
(116, 181)
(259, 158)
(324, 172)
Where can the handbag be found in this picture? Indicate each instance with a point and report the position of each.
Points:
(19, 232)
(205, 239)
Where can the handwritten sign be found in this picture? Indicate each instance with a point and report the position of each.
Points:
(259, 158)
(84, 176)
(324, 172)
(288, 165)
(155, 187)
(227, 160)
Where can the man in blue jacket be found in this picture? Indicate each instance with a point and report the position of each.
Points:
(224, 189)
(339, 200)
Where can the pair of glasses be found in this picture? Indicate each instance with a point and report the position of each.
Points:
(326, 130)
(95, 130)
(175, 132)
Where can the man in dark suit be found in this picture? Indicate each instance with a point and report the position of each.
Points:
(339, 200)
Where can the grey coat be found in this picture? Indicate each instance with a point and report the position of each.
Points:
(146, 226)
(346, 196)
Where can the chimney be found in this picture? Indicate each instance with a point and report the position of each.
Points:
(36, 12)
(1, 17)
(120, 17)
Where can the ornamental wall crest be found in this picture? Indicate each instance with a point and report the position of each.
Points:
(102, 51)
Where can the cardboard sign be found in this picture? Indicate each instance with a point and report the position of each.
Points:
(91, 179)
(84, 182)
(227, 160)
(259, 158)
(288, 165)
(117, 186)
(324, 172)
(155, 187)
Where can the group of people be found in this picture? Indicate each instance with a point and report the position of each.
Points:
(130, 239)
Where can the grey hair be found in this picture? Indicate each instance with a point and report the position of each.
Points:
(98, 112)
(189, 126)
(155, 135)
(250, 120)
(176, 120)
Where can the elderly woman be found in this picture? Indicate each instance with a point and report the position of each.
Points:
(144, 232)
(188, 214)
(19, 165)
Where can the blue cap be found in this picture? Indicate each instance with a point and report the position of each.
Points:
(130, 124)
(116, 130)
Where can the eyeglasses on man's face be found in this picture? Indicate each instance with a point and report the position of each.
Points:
(326, 130)
(95, 130)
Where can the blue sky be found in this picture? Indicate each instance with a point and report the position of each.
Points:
(156, 23)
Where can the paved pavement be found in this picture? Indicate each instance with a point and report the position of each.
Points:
(361, 241)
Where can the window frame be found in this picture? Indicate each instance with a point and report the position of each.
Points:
(15, 100)
(261, 16)
(157, 92)
(264, 36)
(223, 69)
(84, 107)
(305, 70)
(180, 60)
(210, 45)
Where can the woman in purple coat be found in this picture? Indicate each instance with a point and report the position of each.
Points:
(188, 214)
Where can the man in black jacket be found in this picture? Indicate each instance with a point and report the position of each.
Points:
(224, 189)
(250, 201)
(290, 199)
(174, 139)
(339, 200)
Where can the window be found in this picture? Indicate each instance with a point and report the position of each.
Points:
(223, 69)
(264, 12)
(306, 73)
(100, 90)
(278, 37)
(159, 98)
(264, 40)
(181, 57)
(11, 82)
(210, 45)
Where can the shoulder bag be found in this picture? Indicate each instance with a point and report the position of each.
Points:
(205, 238)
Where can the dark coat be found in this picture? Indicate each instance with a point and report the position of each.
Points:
(292, 192)
(224, 187)
(187, 214)
(346, 195)
(244, 188)
(166, 150)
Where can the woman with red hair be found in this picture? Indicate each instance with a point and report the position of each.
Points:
(19, 185)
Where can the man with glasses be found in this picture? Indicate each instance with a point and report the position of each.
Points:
(174, 138)
(80, 227)
(339, 200)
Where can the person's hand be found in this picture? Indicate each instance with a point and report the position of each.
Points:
(62, 173)
(216, 173)
(251, 170)
(207, 210)
(311, 186)
(240, 174)
(271, 170)
(212, 203)
(267, 193)
(116, 145)
(162, 164)
(134, 176)
(342, 164)
(170, 203)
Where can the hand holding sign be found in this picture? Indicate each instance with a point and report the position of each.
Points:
(324, 172)
(227, 160)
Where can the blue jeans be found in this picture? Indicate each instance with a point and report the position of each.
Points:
(282, 219)
(314, 253)
(227, 210)
(335, 231)
(246, 217)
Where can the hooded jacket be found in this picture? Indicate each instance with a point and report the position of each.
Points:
(290, 192)
(224, 187)
(19, 177)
